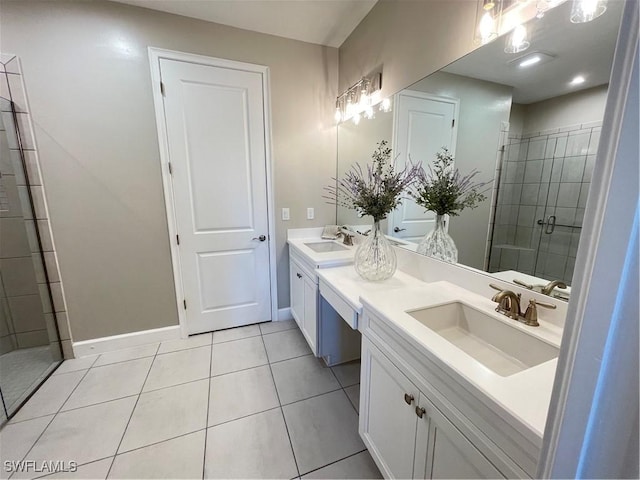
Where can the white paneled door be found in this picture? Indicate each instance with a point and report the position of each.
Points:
(423, 124)
(215, 131)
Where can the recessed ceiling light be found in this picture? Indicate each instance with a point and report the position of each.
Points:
(530, 59)
(577, 80)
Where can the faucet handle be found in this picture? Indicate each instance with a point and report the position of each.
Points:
(531, 315)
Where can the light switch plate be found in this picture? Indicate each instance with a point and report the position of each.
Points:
(286, 215)
(310, 213)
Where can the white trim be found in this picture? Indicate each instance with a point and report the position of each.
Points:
(284, 314)
(155, 55)
(126, 340)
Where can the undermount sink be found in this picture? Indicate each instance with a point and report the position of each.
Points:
(323, 247)
(503, 349)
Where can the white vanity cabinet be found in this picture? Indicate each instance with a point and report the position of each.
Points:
(420, 422)
(304, 301)
(406, 433)
(327, 334)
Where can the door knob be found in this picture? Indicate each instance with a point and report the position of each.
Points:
(420, 411)
(262, 238)
(398, 229)
(408, 398)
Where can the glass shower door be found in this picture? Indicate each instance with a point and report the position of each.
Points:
(29, 342)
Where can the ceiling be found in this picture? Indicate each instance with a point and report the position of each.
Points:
(324, 22)
(577, 49)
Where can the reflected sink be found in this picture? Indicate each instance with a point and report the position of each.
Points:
(503, 349)
(323, 247)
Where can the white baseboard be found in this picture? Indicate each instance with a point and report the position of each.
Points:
(284, 314)
(127, 340)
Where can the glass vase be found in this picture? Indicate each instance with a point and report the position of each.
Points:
(375, 258)
(438, 243)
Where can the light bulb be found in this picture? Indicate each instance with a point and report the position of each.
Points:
(385, 105)
(577, 80)
(583, 11)
(368, 112)
(486, 27)
(517, 41)
(338, 115)
(356, 118)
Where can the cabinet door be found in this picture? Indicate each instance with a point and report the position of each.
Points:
(309, 322)
(387, 419)
(446, 452)
(296, 285)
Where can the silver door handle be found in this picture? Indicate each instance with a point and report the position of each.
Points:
(398, 229)
(551, 224)
(262, 238)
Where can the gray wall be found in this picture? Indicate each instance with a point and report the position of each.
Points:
(86, 74)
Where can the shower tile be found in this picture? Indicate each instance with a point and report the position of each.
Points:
(508, 259)
(13, 238)
(560, 241)
(577, 144)
(594, 141)
(553, 193)
(550, 148)
(26, 313)
(561, 147)
(530, 194)
(533, 171)
(575, 241)
(17, 93)
(37, 338)
(511, 234)
(556, 169)
(568, 194)
(523, 152)
(543, 193)
(18, 276)
(568, 271)
(536, 149)
(523, 236)
(555, 265)
(588, 168)
(579, 217)
(565, 215)
(573, 169)
(526, 216)
(526, 262)
(520, 168)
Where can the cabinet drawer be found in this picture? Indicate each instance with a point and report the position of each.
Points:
(349, 315)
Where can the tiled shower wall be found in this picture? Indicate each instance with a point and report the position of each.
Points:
(12, 86)
(543, 173)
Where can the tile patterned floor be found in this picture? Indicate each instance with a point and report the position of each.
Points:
(250, 402)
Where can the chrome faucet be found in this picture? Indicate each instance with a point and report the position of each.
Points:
(548, 288)
(347, 236)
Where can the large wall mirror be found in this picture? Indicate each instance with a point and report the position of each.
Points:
(530, 121)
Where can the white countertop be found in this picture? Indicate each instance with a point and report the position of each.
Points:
(322, 259)
(524, 395)
(350, 286)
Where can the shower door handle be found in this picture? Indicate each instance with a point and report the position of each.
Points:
(551, 224)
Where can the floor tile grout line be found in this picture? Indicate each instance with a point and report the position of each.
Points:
(284, 419)
(79, 465)
(124, 432)
(243, 417)
(292, 358)
(333, 463)
(206, 418)
(141, 447)
(52, 419)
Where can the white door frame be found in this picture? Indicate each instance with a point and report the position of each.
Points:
(394, 134)
(155, 55)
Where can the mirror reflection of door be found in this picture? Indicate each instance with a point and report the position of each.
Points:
(423, 124)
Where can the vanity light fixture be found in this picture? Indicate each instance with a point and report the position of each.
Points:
(385, 105)
(359, 100)
(577, 80)
(583, 11)
(517, 40)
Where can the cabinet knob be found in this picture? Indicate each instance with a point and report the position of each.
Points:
(408, 398)
(420, 411)
(298, 275)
